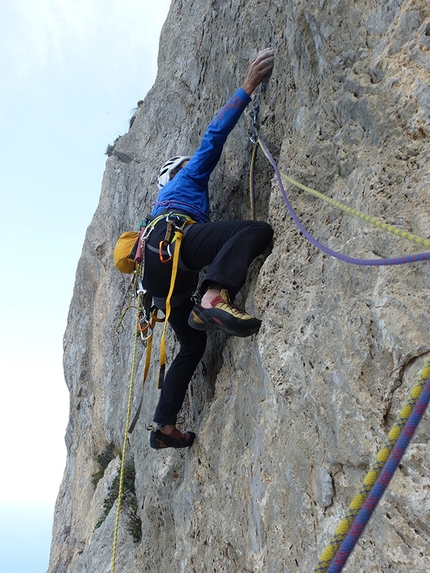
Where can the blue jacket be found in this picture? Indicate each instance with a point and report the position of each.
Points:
(188, 190)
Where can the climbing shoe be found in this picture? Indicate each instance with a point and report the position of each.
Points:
(223, 316)
(176, 439)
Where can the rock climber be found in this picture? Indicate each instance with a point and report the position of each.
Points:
(228, 247)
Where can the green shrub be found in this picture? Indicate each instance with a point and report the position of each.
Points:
(129, 502)
(104, 459)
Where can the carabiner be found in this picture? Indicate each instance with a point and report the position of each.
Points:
(145, 329)
(164, 244)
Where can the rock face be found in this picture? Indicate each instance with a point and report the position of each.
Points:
(287, 421)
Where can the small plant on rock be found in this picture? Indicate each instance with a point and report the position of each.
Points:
(128, 500)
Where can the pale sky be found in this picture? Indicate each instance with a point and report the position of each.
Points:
(72, 72)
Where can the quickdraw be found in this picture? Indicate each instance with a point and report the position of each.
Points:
(254, 140)
(175, 223)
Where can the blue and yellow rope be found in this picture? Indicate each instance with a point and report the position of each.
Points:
(381, 484)
(375, 469)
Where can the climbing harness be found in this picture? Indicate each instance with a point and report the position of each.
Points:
(176, 223)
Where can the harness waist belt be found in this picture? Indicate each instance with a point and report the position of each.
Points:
(170, 217)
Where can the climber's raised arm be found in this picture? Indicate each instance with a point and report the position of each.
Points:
(183, 181)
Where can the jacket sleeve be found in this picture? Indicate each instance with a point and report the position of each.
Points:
(208, 154)
(188, 190)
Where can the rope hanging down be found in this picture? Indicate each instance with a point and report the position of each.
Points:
(351, 260)
(124, 446)
(374, 471)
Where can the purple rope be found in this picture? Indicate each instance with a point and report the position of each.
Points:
(381, 484)
(363, 262)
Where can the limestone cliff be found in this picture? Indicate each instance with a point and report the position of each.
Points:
(289, 420)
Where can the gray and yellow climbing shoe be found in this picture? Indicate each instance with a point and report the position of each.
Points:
(223, 316)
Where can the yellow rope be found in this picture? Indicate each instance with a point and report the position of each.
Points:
(120, 326)
(372, 220)
(373, 474)
(127, 423)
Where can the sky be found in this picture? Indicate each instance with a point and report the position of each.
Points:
(72, 72)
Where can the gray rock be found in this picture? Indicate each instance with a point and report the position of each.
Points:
(289, 420)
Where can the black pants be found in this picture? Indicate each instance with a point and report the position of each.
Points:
(229, 247)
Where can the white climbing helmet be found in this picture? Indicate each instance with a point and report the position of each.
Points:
(168, 167)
